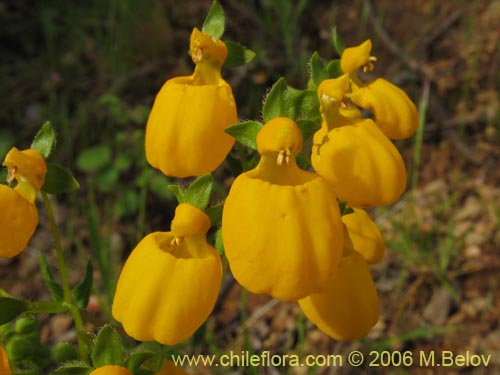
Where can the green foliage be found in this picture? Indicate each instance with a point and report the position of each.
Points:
(44, 140)
(108, 349)
(245, 133)
(215, 22)
(338, 43)
(81, 292)
(64, 352)
(73, 368)
(55, 289)
(237, 55)
(197, 194)
(59, 180)
(11, 308)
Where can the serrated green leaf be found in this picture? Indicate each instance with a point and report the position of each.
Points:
(56, 290)
(237, 55)
(59, 180)
(73, 368)
(81, 292)
(10, 308)
(108, 348)
(178, 192)
(215, 213)
(198, 193)
(94, 158)
(277, 102)
(245, 133)
(338, 43)
(317, 66)
(44, 140)
(215, 22)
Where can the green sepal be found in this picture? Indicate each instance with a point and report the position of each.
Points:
(59, 180)
(198, 193)
(344, 209)
(333, 69)
(44, 140)
(81, 292)
(215, 22)
(237, 55)
(94, 158)
(318, 71)
(64, 352)
(56, 290)
(73, 368)
(338, 43)
(245, 133)
(108, 349)
(137, 357)
(11, 308)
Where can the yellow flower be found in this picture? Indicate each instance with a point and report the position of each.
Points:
(363, 166)
(365, 235)
(185, 130)
(111, 370)
(349, 306)
(4, 362)
(169, 368)
(395, 113)
(281, 225)
(19, 215)
(170, 281)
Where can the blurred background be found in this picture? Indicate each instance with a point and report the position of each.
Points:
(93, 69)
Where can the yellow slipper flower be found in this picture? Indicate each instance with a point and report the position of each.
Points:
(185, 130)
(395, 113)
(365, 235)
(349, 307)
(170, 282)
(19, 215)
(281, 225)
(169, 368)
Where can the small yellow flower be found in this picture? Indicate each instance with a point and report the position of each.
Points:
(111, 370)
(365, 235)
(170, 282)
(169, 368)
(19, 215)
(281, 225)
(185, 130)
(395, 113)
(4, 362)
(362, 165)
(349, 306)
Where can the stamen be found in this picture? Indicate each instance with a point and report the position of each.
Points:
(368, 67)
(197, 54)
(11, 173)
(176, 241)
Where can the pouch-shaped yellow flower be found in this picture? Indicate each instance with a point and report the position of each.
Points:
(349, 306)
(169, 368)
(19, 215)
(281, 225)
(111, 370)
(362, 165)
(170, 282)
(395, 113)
(365, 235)
(185, 130)
(4, 362)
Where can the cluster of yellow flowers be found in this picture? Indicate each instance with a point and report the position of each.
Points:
(282, 229)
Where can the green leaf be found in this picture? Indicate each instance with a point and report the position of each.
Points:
(277, 102)
(338, 43)
(137, 358)
(81, 292)
(94, 158)
(245, 133)
(56, 290)
(318, 71)
(198, 193)
(73, 368)
(237, 55)
(215, 22)
(44, 140)
(178, 192)
(59, 180)
(219, 245)
(10, 308)
(108, 348)
(333, 69)
(215, 213)
(306, 103)
(308, 128)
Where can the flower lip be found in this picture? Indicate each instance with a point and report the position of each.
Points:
(28, 164)
(203, 46)
(281, 135)
(189, 220)
(356, 57)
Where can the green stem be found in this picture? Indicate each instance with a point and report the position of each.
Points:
(69, 304)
